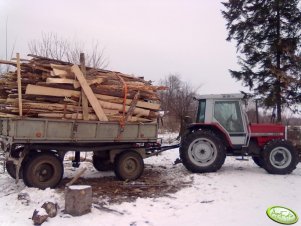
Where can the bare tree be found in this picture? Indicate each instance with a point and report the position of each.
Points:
(59, 48)
(178, 101)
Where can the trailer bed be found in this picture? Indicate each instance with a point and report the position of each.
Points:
(37, 130)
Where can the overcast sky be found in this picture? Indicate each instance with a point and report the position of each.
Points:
(150, 38)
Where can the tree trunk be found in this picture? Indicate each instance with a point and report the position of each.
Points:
(278, 82)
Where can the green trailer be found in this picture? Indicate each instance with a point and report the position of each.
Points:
(35, 148)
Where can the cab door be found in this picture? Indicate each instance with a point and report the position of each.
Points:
(229, 115)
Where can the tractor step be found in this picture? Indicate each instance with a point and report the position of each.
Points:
(242, 158)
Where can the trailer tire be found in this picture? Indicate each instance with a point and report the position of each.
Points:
(43, 170)
(258, 161)
(128, 165)
(102, 164)
(280, 157)
(202, 152)
(11, 169)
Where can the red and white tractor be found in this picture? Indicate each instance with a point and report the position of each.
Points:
(222, 129)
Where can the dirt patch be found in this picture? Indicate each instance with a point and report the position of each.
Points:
(155, 182)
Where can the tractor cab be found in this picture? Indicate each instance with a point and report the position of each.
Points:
(225, 112)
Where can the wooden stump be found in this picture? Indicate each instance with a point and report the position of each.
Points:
(78, 199)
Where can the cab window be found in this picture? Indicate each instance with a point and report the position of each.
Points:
(228, 114)
(201, 111)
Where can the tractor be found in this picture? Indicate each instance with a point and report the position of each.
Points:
(222, 129)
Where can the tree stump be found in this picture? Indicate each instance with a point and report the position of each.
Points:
(78, 199)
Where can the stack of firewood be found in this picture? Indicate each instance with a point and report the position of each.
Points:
(56, 89)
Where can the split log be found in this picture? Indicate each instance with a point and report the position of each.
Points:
(119, 107)
(47, 91)
(85, 103)
(89, 93)
(93, 117)
(132, 107)
(50, 86)
(56, 92)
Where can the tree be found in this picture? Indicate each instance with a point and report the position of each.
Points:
(52, 46)
(178, 101)
(268, 39)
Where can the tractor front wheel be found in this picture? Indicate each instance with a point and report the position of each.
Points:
(202, 152)
(258, 161)
(280, 157)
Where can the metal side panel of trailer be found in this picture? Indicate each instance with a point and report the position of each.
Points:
(31, 130)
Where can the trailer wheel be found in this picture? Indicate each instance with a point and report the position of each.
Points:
(202, 152)
(280, 157)
(102, 164)
(43, 170)
(11, 169)
(258, 161)
(128, 165)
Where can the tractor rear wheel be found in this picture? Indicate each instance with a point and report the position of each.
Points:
(202, 152)
(280, 157)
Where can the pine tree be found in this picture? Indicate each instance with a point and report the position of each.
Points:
(268, 36)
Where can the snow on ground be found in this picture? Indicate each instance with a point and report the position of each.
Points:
(238, 194)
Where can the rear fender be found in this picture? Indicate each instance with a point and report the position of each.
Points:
(214, 127)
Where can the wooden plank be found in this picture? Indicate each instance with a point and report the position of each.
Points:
(73, 116)
(48, 91)
(84, 97)
(119, 107)
(62, 81)
(90, 95)
(19, 84)
(59, 72)
(61, 67)
(141, 104)
(56, 92)
(8, 62)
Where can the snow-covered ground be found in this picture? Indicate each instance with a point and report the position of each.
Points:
(238, 194)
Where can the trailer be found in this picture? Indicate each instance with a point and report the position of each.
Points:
(35, 148)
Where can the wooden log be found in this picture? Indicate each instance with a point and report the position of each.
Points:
(19, 84)
(78, 199)
(75, 178)
(119, 107)
(57, 92)
(132, 107)
(5, 115)
(72, 81)
(63, 81)
(60, 73)
(79, 116)
(118, 100)
(67, 116)
(48, 91)
(90, 95)
(84, 97)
